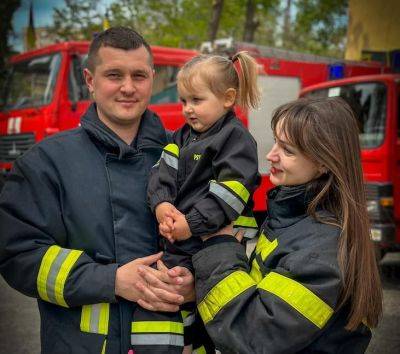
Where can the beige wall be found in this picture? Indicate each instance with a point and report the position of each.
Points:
(373, 25)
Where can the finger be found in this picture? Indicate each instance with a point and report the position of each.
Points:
(167, 296)
(158, 306)
(145, 292)
(161, 266)
(239, 235)
(154, 277)
(164, 228)
(149, 260)
(169, 222)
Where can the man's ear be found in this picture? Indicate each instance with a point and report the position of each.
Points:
(230, 97)
(88, 79)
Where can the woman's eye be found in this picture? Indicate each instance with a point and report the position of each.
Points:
(288, 151)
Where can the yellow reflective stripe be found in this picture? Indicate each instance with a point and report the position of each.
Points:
(56, 264)
(200, 350)
(63, 274)
(173, 149)
(224, 292)
(238, 188)
(95, 318)
(245, 221)
(265, 246)
(255, 271)
(299, 297)
(103, 350)
(157, 327)
(44, 271)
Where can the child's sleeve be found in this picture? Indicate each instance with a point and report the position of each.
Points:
(235, 167)
(162, 185)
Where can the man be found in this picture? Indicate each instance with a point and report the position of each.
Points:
(74, 223)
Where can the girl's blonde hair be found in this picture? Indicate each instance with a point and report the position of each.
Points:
(326, 131)
(219, 74)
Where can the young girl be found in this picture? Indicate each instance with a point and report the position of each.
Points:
(312, 283)
(205, 179)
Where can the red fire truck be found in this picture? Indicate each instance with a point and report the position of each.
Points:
(375, 100)
(45, 93)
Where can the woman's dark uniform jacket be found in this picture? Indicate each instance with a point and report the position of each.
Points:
(285, 299)
(73, 209)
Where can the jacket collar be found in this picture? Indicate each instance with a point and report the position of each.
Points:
(287, 205)
(228, 116)
(150, 134)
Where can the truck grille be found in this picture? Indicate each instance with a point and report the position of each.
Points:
(12, 146)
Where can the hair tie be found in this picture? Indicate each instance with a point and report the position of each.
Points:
(234, 58)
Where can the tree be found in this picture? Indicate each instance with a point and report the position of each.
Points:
(217, 6)
(77, 20)
(7, 9)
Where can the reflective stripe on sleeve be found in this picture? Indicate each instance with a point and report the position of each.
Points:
(188, 318)
(95, 318)
(171, 155)
(200, 350)
(224, 292)
(157, 327)
(157, 339)
(53, 272)
(232, 193)
(265, 247)
(246, 224)
(299, 297)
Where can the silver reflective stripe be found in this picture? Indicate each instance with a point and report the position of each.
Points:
(227, 197)
(189, 319)
(157, 339)
(54, 270)
(248, 233)
(170, 160)
(95, 318)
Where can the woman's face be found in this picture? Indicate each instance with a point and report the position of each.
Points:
(289, 167)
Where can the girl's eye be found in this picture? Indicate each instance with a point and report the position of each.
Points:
(288, 151)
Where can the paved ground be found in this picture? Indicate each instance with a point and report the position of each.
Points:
(19, 320)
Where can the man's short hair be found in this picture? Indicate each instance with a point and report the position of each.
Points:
(116, 37)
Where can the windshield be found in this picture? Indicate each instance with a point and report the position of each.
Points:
(31, 82)
(368, 101)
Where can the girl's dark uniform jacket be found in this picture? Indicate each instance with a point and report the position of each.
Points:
(285, 299)
(74, 209)
(210, 177)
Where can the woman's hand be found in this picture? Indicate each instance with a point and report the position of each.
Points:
(164, 289)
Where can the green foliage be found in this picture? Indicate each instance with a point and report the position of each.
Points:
(315, 26)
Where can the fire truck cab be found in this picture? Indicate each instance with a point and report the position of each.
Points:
(375, 101)
(45, 93)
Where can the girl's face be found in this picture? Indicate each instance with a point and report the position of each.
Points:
(201, 107)
(289, 167)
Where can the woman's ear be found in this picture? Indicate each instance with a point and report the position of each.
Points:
(230, 98)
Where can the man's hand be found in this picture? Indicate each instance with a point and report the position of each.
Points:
(164, 287)
(127, 276)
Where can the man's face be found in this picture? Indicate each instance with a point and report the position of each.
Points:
(121, 85)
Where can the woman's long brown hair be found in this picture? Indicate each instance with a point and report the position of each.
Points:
(326, 131)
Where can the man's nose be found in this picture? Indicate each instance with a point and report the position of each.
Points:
(128, 86)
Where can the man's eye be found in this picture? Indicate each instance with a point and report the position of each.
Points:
(113, 76)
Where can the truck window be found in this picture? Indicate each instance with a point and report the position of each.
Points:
(77, 89)
(31, 83)
(164, 86)
(368, 101)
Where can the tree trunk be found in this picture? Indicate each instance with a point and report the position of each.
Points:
(251, 23)
(217, 6)
(286, 24)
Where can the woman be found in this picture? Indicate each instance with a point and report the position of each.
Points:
(312, 283)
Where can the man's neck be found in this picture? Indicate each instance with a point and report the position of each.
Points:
(126, 133)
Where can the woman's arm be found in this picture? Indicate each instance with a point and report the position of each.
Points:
(282, 313)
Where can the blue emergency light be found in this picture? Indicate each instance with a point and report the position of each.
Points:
(336, 71)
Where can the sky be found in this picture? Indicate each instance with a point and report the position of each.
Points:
(43, 16)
